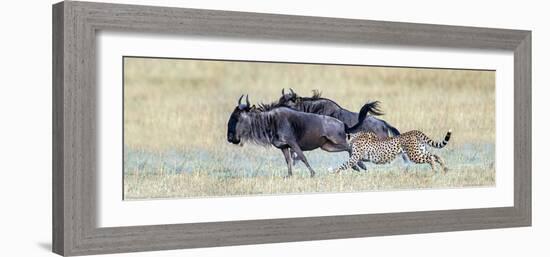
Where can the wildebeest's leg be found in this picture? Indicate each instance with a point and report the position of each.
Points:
(302, 157)
(287, 154)
(361, 165)
(405, 158)
(408, 162)
(295, 157)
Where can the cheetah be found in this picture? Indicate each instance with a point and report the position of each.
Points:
(368, 147)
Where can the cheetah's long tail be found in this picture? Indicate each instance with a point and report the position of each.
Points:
(442, 143)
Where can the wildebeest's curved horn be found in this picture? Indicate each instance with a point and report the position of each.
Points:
(283, 91)
(292, 91)
(241, 98)
(247, 102)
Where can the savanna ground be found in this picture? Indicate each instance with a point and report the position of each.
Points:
(176, 113)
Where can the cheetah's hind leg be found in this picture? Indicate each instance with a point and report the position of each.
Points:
(441, 162)
(431, 161)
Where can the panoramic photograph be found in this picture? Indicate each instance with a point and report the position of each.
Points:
(220, 128)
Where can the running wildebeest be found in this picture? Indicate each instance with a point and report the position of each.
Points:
(324, 106)
(288, 129)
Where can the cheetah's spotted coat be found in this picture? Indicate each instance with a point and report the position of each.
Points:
(367, 146)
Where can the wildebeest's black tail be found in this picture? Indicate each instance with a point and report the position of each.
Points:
(371, 107)
(392, 129)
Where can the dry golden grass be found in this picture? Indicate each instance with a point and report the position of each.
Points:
(178, 108)
(198, 184)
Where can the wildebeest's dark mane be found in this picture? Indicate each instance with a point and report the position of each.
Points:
(262, 123)
(263, 107)
(261, 129)
(316, 94)
(317, 97)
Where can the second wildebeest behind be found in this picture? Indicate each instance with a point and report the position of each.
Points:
(324, 106)
(288, 129)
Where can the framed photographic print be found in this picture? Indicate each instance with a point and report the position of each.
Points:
(183, 128)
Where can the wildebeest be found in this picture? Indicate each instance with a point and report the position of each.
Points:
(324, 106)
(287, 129)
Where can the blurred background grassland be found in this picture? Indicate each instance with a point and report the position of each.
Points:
(176, 113)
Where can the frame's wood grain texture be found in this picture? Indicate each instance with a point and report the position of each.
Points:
(74, 135)
(58, 193)
(522, 128)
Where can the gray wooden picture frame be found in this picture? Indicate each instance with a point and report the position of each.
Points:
(75, 25)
